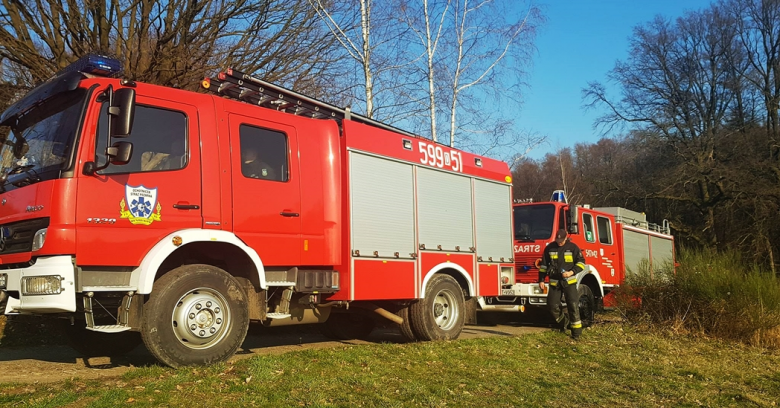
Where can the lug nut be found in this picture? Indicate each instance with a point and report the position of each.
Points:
(202, 333)
(193, 327)
(213, 330)
(219, 321)
(216, 310)
(192, 315)
(198, 306)
(208, 304)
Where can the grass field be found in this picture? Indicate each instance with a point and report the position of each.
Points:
(614, 365)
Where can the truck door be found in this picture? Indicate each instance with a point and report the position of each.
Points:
(266, 188)
(124, 210)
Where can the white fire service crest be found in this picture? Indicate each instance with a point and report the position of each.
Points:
(144, 208)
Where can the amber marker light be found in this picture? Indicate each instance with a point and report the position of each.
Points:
(205, 83)
(177, 240)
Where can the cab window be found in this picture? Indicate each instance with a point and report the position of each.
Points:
(159, 141)
(587, 227)
(263, 153)
(605, 230)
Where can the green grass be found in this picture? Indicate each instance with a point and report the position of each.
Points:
(614, 365)
(717, 294)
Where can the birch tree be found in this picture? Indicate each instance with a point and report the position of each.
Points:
(484, 49)
(371, 37)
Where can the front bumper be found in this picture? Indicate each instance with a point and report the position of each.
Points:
(515, 298)
(26, 287)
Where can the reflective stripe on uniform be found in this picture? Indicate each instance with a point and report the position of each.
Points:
(542, 268)
(572, 281)
(553, 282)
(568, 256)
(554, 255)
(581, 265)
(576, 325)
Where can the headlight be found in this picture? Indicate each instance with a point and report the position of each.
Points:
(3, 280)
(42, 285)
(39, 239)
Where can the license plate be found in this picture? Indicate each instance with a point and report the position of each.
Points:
(507, 292)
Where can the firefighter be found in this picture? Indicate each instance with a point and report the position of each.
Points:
(562, 262)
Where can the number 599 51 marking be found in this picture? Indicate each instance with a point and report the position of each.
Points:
(437, 156)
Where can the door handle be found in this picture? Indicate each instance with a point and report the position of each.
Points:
(289, 214)
(186, 206)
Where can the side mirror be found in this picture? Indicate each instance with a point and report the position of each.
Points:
(574, 228)
(123, 110)
(120, 153)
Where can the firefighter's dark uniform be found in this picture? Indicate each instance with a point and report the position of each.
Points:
(559, 259)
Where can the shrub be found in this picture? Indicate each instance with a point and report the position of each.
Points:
(710, 293)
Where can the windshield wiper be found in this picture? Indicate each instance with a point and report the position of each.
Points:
(14, 176)
(524, 238)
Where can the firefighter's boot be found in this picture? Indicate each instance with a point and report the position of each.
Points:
(562, 324)
(576, 330)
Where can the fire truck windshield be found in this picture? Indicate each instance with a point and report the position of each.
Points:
(38, 141)
(534, 221)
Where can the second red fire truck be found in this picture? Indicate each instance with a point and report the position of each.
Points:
(139, 212)
(614, 241)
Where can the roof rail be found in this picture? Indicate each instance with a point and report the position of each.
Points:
(244, 87)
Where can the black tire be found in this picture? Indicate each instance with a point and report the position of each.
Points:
(348, 326)
(406, 327)
(470, 311)
(440, 315)
(213, 308)
(587, 305)
(90, 343)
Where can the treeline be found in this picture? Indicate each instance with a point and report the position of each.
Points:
(699, 100)
(425, 66)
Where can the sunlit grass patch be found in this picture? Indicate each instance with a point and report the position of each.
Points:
(641, 367)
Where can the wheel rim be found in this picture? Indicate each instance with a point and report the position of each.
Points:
(201, 318)
(445, 310)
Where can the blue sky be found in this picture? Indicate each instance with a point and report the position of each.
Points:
(580, 43)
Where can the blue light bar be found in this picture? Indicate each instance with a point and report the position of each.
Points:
(96, 65)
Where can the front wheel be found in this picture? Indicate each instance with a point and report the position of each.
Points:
(440, 315)
(587, 305)
(196, 314)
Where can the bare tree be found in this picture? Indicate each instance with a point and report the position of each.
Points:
(165, 42)
(482, 51)
(676, 84)
(758, 23)
(371, 36)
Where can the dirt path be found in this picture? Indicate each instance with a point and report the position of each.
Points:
(52, 363)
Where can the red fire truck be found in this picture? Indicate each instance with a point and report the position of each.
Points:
(145, 213)
(614, 241)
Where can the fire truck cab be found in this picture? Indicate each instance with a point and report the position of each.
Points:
(614, 242)
(144, 213)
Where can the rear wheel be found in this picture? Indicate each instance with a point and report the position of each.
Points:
(439, 316)
(587, 305)
(406, 327)
(196, 314)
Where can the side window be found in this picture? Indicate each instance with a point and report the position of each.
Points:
(562, 224)
(263, 153)
(159, 141)
(587, 227)
(605, 230)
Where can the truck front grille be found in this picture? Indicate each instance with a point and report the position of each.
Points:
(18, 236)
